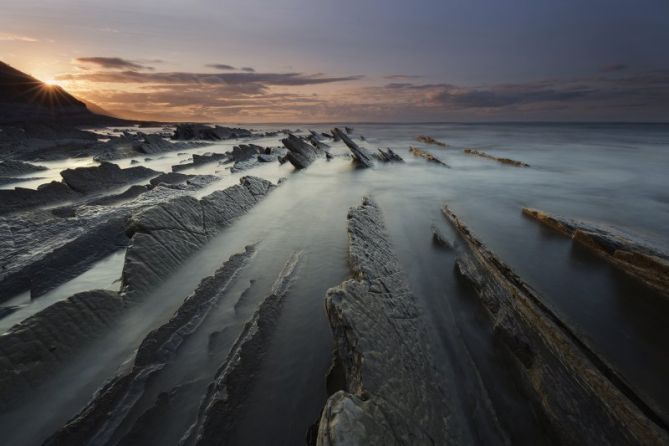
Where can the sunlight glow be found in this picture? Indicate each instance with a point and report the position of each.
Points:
(51, 82)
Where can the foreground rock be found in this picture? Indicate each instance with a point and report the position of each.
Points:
(301, 153)
(388, 156)
(499, 160)
(163, 236)
(630, 253)
(360, 155)
(75, 185)
(224, 402)
(9, 168)
(415, 151)
(99, 420)
(207, 132)
(430, 140)
(392, 395)
(32, 349)
(579, 395)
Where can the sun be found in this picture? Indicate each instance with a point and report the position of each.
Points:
(52, 83)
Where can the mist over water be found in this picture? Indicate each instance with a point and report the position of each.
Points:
(605, 173)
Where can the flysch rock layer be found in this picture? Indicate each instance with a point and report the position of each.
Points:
(581, 398)
(415, 151)
(41, 251)
(360, 155)
(221, 407)
(508, 161)
(392, 395)
(301, 153)
(163, 236)
(430, 140)
(99, 420)
(628, 252)
(32, 349)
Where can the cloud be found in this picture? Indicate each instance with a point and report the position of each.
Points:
(221, 66)
(402, 77)
(112, 63)
(248, 69)
(184, 78)
(614, 68)
(9, 37)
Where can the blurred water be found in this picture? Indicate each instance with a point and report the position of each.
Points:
(613, 174)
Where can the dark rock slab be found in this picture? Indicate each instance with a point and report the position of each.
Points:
(360, 155)
(170, 178)
(581, 397)
(106, 176)
(301, 153)
(164, 235)
(388, 155)
(103, 415)
(508, 161)
(392, 394)
(430, 140)
(206, 132)
(630, 253)
(32, 349)
(19, 198)
(415, 151)
(225, 398)
(9, 168)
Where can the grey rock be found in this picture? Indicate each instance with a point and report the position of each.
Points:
(392, 395)
(301, 153)
(508, 161)
(103, 177)
(415, 151)
(206, 132)
(10, 168)
(576, 391)
(360, 155)
(388, 156)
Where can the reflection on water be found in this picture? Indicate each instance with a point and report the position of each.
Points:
(609, 174)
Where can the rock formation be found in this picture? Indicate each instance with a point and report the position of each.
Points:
(209, 133)
(106, 176)
(301, 153)
(426, 156)
(628, 252)
(360, 155)
(430, 140)
(392, 395)
(388, 156)
(499, 160)
(583, 400)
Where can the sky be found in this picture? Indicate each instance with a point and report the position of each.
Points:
(343, 60)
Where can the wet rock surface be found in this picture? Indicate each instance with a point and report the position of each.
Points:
(207, 132)
(360, 155)
(9, 168)
(392, 394)
(630, 253)
(578, 394)
(415, 151)
(32, 349)
(388, 155)
(99, 421)
(163, 236)
(508, 161)
(224, 401)
(301, 153)
(430, 140)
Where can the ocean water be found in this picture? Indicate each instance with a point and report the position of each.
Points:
(611, 174)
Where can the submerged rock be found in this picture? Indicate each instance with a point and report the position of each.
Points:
(199, 160)
(360, 155)
(388, 156)
(426, 156)
(430, 140)
(217, 417)
(31, 350)
(439, 240)
(579, 395)
(164, 235)
(9, 168)
(392, 394)
(106, 176)
(301, 153)
(98, 422)
(499, 160)
(206, 132)
(634, 256)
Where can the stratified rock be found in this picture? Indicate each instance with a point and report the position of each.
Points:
(130, 193)
(233, 382)
(18, 199)
(169, 178)
(360, 155)
(153, 143)
(426, 156)
(388, 156)
(633, 255)
(163, 236)
(106, 176)
(206, 132)
(439, 240)
(499, 160)
(9, 168)
(32, 349)
(199, 160)
(430, 140)
(98, 421)
(583, 399)
(301, 153)
(392, 393)
(349, 130)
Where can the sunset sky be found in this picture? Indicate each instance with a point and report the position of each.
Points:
(364, 60)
